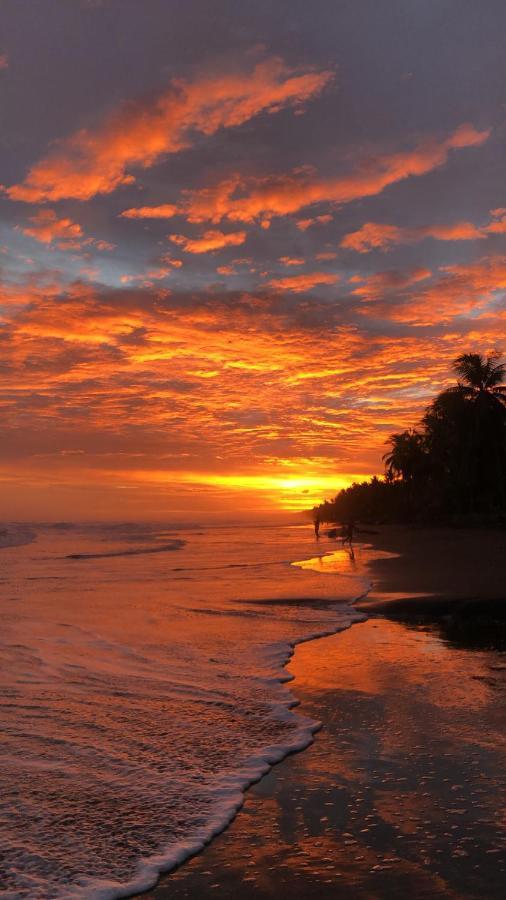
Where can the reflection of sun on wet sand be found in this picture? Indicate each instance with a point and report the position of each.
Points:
(344, 560)
(403, 791)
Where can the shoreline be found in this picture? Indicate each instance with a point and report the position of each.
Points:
(408, 606)
(273, 757)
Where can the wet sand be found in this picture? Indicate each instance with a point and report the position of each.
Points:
(440, 570)
(403, 791)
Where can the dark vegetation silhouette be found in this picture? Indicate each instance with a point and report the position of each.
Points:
(451, 467)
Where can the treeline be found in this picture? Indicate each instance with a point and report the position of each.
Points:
(451, 467)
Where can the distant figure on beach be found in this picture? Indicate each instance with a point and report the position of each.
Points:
(348, 532)
(317, 527)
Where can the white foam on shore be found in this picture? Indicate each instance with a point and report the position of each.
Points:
(230, 791)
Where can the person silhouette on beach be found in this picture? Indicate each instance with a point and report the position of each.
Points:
(317, 527)
(348, 532)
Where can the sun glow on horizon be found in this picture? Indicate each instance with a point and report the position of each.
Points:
(163, 490)
(282, 491)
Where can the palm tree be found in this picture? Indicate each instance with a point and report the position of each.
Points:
(480, 377)
(407, 457)
(465, 428)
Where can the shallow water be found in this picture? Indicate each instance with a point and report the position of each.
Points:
(141, 678)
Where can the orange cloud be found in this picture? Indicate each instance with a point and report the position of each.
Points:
(140, 133)
(457, 291)
(498, 225)
(326, 254)
(292, 260)
(460, 231)
(261, 198)
(374, 235)
(47, 228)
(168, 260)
(461, 289)
(210, 241)
(375, 285)
(304, 224)
(151, 389)
(166, 211)
(146, 279)
(299, 283)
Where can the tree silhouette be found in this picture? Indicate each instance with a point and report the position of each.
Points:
(480, 376)
(453, 464)
(407, 458)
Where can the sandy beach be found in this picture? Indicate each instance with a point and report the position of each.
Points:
(403, 790)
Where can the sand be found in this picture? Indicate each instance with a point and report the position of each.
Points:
(457, 571)
(403, 791)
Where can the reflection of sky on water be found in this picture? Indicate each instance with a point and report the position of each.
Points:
(400, 795)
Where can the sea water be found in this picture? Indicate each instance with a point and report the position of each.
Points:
(143, 689)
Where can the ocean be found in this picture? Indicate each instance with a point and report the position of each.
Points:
(143, 690)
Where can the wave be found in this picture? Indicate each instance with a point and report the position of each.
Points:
(16, 536)
(176, 544)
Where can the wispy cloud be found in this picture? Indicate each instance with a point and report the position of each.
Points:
(455, 291)
(378, 284)
(209, 241)
(260, 199)
(140, 133)
(304, 224)
(164, 211)
(292, 260)
(304, 282)
(49, 228)
(377, 236)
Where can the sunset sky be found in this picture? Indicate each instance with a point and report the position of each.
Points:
(240, 243)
